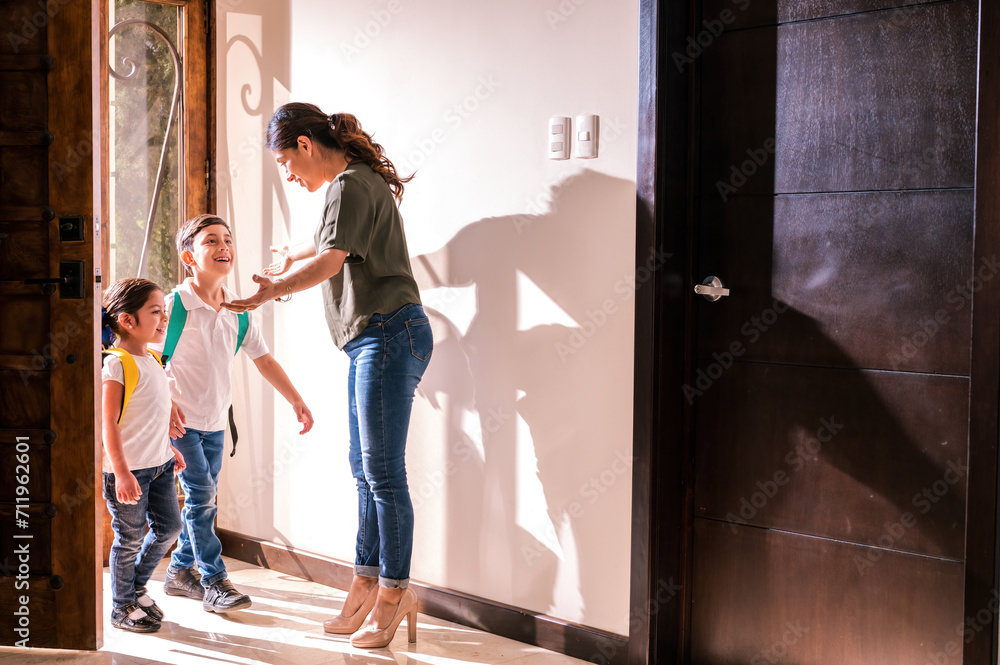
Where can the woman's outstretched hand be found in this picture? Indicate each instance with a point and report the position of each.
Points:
(282, 263)
(266, 290)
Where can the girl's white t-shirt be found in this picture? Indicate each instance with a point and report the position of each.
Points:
(145, 423)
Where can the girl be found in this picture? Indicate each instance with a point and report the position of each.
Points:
(139, 462)
(373, 310)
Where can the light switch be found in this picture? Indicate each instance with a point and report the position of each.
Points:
(587, 134)
(559, 137)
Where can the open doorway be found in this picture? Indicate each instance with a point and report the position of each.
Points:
(57, 242)
(156, 159)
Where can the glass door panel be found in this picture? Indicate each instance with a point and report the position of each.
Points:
(145, 47)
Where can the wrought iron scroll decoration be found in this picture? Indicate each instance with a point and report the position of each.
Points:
(176, 101)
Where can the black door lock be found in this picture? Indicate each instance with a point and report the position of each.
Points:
(70, 281)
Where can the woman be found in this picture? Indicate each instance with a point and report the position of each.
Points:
(373, 311)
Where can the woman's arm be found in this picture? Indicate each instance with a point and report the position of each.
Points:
(313, 271)
(303, 250)
(287, 255)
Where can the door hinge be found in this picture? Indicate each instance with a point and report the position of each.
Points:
(208, 180)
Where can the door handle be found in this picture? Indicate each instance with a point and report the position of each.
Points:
(711, 288)
(70, 280)
(48, 283)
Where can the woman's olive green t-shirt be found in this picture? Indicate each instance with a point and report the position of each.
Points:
(361, 218)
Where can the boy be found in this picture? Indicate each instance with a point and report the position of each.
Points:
(199, 372)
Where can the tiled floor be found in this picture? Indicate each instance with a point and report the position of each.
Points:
(284, 627)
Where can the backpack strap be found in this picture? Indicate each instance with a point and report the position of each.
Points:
(244, 319)
(131, 371)
(178, 316)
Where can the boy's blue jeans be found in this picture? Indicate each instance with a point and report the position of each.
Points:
(387, 360)
(135, 555)
(198, 546)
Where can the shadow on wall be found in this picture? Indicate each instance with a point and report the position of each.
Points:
(548, 353)
(249, 85)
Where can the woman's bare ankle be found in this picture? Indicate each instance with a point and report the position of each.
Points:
(360, 588)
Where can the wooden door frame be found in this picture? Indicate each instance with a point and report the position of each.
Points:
(661, 525)
(661, 462)
(982, 576)
(75, 395)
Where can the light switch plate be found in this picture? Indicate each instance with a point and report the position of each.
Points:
(560, 136)
(587, 135)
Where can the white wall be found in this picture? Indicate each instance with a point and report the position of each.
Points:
(520, 443)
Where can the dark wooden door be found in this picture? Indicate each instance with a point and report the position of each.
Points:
(50, 578)
(834, 173)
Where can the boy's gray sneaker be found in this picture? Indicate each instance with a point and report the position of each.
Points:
(185, 582)
(222, 597)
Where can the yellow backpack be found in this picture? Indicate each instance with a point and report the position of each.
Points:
(131, 371)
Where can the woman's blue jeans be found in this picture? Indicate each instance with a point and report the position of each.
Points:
(135, 554)
(387, 360)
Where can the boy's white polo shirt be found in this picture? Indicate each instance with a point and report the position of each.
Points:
(200, 371)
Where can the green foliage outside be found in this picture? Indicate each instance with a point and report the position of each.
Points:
(140, 111)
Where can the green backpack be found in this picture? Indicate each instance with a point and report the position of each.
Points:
(178, 317)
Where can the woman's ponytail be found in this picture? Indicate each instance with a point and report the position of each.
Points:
(340, 131)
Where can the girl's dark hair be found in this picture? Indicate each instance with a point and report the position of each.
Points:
(340, 131)
(125, 296)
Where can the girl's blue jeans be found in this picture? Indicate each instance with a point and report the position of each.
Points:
(387, 358)
(135, 554)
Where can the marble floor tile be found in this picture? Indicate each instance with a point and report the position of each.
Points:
(284, 627)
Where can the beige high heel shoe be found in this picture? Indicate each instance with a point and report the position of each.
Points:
(345, 625)
(371, 637)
